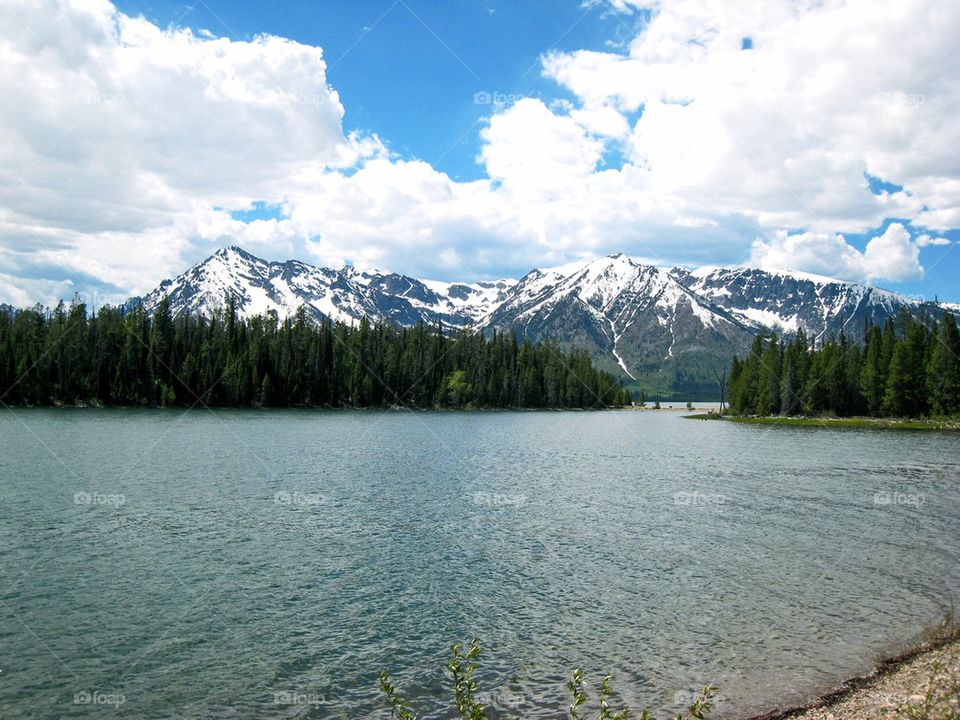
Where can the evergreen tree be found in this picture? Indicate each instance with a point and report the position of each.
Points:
(65, 357)
(790, 387)
(910, 368)
(768, 380)
(944, 369)
(872, 373)
(897, 398)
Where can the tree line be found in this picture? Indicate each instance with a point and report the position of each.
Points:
(908, 368)
(125, 357)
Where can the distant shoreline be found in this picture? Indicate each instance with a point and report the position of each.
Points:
(833, 422)
(323, 408)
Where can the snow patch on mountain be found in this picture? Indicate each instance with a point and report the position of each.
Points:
(769, 319)
(633, 315)
(343, 295)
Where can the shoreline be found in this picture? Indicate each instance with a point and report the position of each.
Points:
(951, 425)
(925, 677)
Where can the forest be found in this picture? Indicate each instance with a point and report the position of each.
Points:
(125, 357)
(909, 368)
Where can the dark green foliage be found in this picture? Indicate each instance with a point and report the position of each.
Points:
(943, 373)
(910, 368)
(64, 357)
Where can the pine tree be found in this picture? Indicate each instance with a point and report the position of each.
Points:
(790, 388)
(743, 392)
(897, 396)
(132, 359)
(266, 392)
(944, 369)
(768, 380)
(871, 373)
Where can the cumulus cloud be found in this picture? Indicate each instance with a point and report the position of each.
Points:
(890, 256)
(925, 241)
(532, 150)
(119, 136)
(785, 130)
(127, 146)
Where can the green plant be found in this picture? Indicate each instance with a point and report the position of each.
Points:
(399, 708)
(702, 705)
(605, 712)
(464, 686)
(575, 686)
(462, 668)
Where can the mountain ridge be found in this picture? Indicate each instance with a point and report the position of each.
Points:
(663, 328)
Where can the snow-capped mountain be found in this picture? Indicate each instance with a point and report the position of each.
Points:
(669, 328)
(786, 301)
(676, 328)
(345, 295)
(639, 316)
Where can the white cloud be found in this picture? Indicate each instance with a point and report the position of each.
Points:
(890, 256)
(120, 137)
(624, 6)
(926, 241)
(532, 150)
(602, 121)
(123, 139)
(784, 131)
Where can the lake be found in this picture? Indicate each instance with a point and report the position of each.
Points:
(270, 564)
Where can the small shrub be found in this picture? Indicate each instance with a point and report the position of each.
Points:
(461, 670)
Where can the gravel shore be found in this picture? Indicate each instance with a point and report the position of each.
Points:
(923, 685)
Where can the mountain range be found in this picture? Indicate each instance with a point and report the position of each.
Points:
(666, 329)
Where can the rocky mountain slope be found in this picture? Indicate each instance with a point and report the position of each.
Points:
(346, 294)
(666, 328)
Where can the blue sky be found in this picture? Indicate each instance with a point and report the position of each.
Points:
(477, 139)
(418, 73)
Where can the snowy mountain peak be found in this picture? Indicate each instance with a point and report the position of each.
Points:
(345, 295)
(708, 270)
(667, 327)
(234, 250)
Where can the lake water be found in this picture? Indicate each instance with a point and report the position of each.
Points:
(270, 564)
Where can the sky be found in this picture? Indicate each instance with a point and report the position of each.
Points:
(469, 139)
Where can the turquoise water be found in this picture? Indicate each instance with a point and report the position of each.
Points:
(270, 564)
